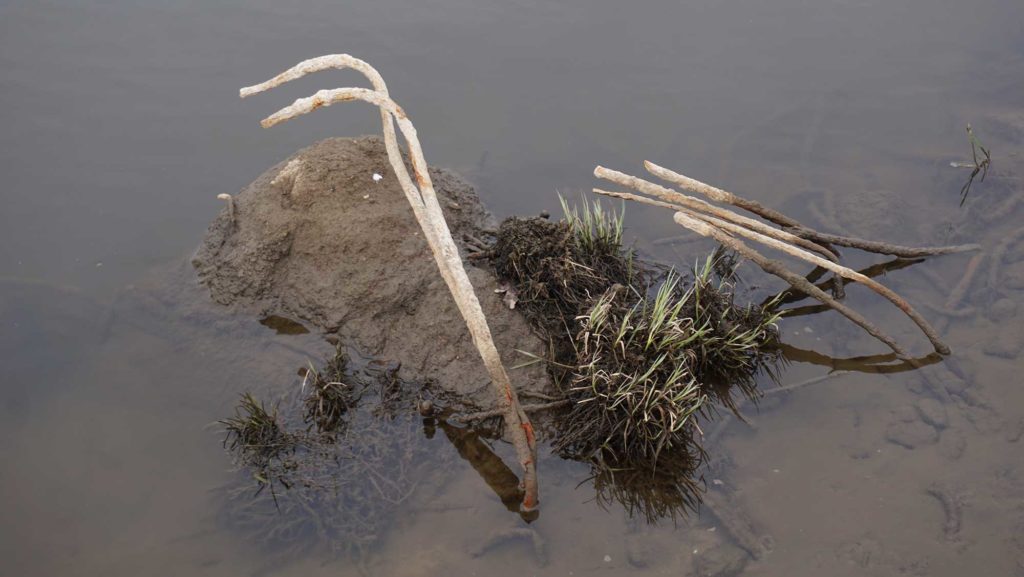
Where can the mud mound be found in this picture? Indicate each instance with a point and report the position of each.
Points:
(315, 237)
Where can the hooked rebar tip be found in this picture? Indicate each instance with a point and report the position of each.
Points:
(231, 205)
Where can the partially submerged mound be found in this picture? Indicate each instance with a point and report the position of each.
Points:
(319, 238)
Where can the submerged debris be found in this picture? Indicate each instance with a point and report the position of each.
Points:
(977, 165)
(558, 268)
(329, 398)
(255, 434)
(323, 468)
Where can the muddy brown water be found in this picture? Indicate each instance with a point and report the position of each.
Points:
(122, 124)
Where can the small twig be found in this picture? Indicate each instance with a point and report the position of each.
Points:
(470, 238)
(978, 166)
(541, 396)
(880, 247)
(498, 412)
(677, 240)
(808, 382)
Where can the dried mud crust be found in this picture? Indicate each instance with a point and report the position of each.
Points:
(316, 237)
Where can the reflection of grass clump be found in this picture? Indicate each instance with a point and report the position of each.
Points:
(338, 491)
(329, 470)
(666, 490)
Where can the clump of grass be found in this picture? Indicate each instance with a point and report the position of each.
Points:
(254, 434)
(329, 398)
(640, 356)
(558, 267)
(596, 231)
(647, 367)
(738, 341)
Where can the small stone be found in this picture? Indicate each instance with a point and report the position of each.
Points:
(725, 560)
(911, 435)
(426, 408)
(607, 558)
(933, 412)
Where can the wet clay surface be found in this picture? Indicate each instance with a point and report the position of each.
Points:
(318, 238)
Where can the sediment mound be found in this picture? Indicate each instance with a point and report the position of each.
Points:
(318, 238)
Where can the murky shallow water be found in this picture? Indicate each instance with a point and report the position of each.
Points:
(122, 124)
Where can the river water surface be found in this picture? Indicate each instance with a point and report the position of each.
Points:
(121, 124)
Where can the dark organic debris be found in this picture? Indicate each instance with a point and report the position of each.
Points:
(326, 468)
(255, 434)
(557, 268)
(329, 398)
